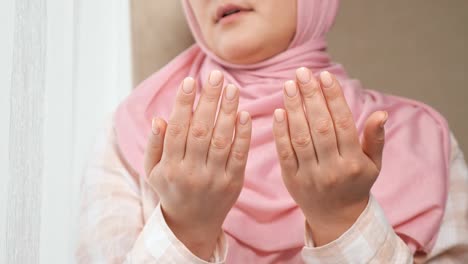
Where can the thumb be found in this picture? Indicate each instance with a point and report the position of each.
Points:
(154, 148)
(374, 137)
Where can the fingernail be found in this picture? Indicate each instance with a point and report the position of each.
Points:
(384, 120)
(188, 84)
(303, 75)
(291, 89)
(279, 115)
(230, 92)
(244, 118)
(155, 127)
(327, 79)
(215, 77)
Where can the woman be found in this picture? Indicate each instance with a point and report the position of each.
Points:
(231, 177)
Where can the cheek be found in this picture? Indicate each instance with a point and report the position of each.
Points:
(200, 10)
(284, 18)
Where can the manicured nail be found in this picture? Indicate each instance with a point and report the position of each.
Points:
(384, 120)
(155, 127)
(244, 117)
(216, 77)
(230, 92)
(291, 89)
(279, 115)
(303, 75)
(327, 79)
(188, 84)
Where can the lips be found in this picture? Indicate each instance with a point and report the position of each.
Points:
(229, 9)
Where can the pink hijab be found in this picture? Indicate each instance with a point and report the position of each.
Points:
(412, 186)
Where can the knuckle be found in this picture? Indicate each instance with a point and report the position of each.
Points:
(210, 97)
(344, 123)
(310, 92)
(243, 135)
(174, 129)
(294, 107)
(184, 100)
(228, 109)
(239, 155)
(380, 138)
(309, 182)
(354, 168)
(323, 127)
(330, 182)
(301, 140)
(220, 142)
(279, 133)
(333, 94)
(199, 130)
(168, 174)
(285, 155)
(154, 146)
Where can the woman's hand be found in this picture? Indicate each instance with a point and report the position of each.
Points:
(196, 167)
(326, 169)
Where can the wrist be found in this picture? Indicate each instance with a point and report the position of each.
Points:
(200, 239)
(329, 224)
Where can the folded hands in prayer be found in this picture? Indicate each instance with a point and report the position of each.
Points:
(196, 162)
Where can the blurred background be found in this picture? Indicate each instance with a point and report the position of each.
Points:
(65, 65)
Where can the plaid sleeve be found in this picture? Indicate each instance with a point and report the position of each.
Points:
(157, 243)
(112, 228)
(452, 243)
(372, 240)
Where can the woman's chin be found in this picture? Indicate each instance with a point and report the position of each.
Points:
(236, 57)
(237, 53)
(245, 45)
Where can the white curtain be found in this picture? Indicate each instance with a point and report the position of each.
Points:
(64, 66)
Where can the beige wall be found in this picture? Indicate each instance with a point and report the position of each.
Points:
(415, 48)
(159, 33)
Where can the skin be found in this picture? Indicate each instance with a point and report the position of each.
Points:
(272, 21)
(197, 167)
(325, 168)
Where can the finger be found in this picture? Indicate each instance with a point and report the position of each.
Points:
(177, 127)
(345, 128)
(318, 116)
(374, 137)
(284, 148)
(238, 155)
(154, 148)
(224, 129)
(299, 131)
(201, 126)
